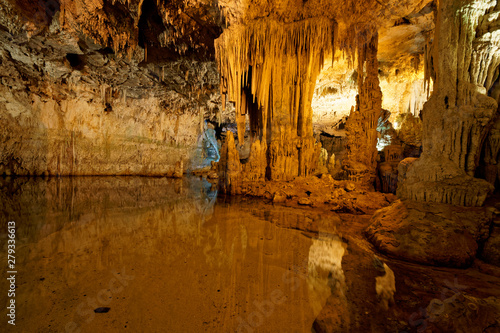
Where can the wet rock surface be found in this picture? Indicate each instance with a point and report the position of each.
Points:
(322, 192)
(464, 313)
(491, 249)
(433, 234)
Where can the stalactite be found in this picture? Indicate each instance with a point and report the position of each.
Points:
(269, 69)
(104, 88)
(427, 75)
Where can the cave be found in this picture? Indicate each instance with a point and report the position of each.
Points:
(250, 166)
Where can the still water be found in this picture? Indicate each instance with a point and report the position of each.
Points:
(163, 255)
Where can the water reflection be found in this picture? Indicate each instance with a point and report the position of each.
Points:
(325, 267)
(163, 255)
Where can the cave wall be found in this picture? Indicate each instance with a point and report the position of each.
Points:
(66, 125)
(90, 88)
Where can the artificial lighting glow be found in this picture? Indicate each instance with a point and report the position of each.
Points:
(383, 142)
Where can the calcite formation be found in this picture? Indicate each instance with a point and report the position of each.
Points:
(234, 172)
(269, 69)
(73, 125)
(458, 114)
(361, 126)
(269, 66)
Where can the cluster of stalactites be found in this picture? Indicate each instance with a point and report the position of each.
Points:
(267, 69)
(353, 39)
(427, 64)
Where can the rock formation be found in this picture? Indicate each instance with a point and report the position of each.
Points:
(269, 69)
(433, 234)
(362, 124)
(456, 117)
(318, 104)
(86, 89)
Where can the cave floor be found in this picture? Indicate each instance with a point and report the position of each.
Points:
(106, 254)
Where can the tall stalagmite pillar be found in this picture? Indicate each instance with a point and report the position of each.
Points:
(269, 70)
(456, 117)
(361, 161)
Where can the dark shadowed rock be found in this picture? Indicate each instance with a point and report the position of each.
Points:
(491, 250)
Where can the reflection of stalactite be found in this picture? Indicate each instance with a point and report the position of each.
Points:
(269, 70)
(427, 65)
(210, 138)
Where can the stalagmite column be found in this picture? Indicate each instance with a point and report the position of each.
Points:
(361, 161)
(457, 115)
(269, 70)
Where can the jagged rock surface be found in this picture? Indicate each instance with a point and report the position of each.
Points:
(427, 233)
(491, 248)
(80, 96)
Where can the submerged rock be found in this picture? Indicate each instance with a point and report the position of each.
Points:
(102, 310)
(463, 313)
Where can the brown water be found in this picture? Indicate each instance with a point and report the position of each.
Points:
(162, 255)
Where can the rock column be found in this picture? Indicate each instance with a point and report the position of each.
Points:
(361, 161)
(456, 117)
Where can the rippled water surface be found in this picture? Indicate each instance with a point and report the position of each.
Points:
(162, 255)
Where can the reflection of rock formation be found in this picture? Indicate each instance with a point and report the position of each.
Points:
(385, 286)
(325, 270)
(491, 154)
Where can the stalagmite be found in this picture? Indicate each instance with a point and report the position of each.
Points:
(269, 69)
(361, 161)
(457, 116)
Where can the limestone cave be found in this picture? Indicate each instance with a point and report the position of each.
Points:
(250, 165)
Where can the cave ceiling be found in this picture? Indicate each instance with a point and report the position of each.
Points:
(129, 42)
